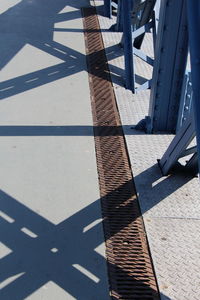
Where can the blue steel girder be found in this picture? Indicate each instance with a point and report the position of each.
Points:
(193, 14)
(157, 12)
(138, 18)
(128, 45)
(142, 13)
(186, 100)
(107, 8)
(119, 25)
(169, 66)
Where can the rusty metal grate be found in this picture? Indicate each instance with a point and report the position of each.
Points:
(130, 268)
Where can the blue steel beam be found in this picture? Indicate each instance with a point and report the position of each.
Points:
(119, 25)
(156, 19)
(193, 12)
(178, 146)
(169, 66)
(157, 12)
(107, 8)
(128, 45)
(186, 100)
(144, 14)
(135, 14)
(141, 13)
(108, 4)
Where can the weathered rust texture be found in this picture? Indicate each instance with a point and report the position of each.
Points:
(130, 269)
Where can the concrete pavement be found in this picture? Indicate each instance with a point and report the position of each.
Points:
(52, 240)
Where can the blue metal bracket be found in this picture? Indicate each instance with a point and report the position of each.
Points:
(169, 67)
(179, 147)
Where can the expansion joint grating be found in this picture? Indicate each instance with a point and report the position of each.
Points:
(130, 270)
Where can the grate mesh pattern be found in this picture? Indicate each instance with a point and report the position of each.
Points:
(130, 269)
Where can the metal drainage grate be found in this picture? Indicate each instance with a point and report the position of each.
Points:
(130, 268)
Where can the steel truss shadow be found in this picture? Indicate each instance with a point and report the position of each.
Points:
(64, 254)
(33, 22)
(50, 252)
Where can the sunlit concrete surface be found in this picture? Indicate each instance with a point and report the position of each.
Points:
(52, 244)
